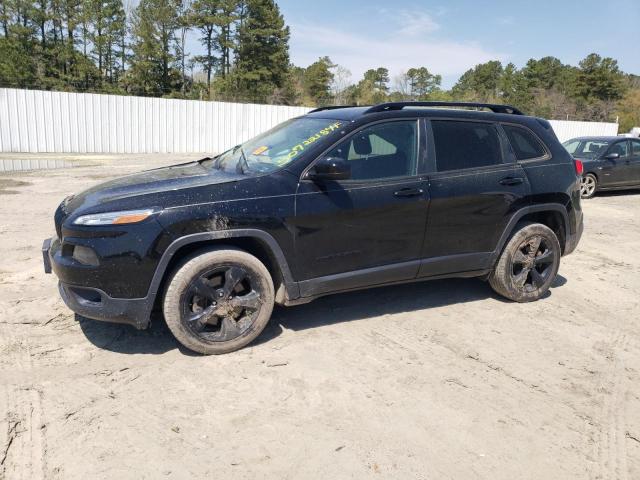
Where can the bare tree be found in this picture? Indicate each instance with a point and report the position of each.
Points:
(402, 85)
(341, 81)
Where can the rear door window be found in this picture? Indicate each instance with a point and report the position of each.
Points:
(460, 145)
(525, 145)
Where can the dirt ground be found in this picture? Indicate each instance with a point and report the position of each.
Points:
(435, 380)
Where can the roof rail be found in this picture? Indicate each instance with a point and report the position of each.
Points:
(384, 107)
(330, 107)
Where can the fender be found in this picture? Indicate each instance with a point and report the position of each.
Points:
(290, 285)
(543, 207)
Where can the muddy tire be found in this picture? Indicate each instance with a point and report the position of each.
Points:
(588, 185)
(528, 264)
(218, 301)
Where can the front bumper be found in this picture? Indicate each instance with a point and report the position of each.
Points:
(95, 304)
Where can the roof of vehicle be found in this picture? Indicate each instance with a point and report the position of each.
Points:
(597, 138)
(431, 109)
(345, 113)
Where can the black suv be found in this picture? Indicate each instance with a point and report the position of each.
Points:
(339, 199)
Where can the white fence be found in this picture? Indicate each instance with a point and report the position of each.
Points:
(566, 130)
(38, 121)
(18, 164)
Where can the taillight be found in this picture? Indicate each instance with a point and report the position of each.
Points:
(579, 167)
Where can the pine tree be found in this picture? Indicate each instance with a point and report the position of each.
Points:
(18, 62)
(422, 83)
(317, 80)
(184, 23)
(205, 16)
(263, 52)
(514, 88)
(481, 83)
(228, 18)
(153, 63)
(599, 78)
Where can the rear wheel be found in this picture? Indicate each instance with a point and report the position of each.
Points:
(528, 265)
(218, 301)
(588, 185)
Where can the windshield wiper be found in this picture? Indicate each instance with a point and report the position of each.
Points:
(243, 159)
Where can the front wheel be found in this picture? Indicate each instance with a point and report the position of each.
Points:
(218, 301)
(528, 265)
(588, 185)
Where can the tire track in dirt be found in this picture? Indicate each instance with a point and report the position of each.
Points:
(611, 450)
(25, 445)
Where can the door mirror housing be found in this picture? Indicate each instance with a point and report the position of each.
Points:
(330, 168)
(612, 156)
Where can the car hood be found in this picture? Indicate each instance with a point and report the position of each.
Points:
(147, 183)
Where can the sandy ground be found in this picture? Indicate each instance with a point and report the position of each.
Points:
(434, 380)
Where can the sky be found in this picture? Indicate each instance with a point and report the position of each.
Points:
(449, 37)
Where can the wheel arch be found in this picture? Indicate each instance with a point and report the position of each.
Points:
(256, 242)
(553, 215)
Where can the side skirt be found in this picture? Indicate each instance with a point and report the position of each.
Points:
(395, 274)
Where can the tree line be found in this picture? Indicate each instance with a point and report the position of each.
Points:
(109, 46)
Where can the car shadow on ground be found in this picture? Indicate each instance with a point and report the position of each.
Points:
(616, 193)
(126, 339)
(345, 307)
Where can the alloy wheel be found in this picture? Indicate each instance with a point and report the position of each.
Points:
(587, 186)
(532, 264)
(221, 304)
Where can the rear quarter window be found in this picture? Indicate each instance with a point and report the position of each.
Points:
(525, 144)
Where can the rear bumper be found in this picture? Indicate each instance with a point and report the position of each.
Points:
(94, 303)
(574, 238)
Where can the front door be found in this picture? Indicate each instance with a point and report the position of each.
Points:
(372, 224)
(473, 194)
(635, 161)
(617, 172)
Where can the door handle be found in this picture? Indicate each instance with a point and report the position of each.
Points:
(512, 181)
(408, 192)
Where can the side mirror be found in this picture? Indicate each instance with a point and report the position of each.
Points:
(330, 168)
(612, 156)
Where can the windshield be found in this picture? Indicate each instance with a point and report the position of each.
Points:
(277, 147)
(586, 148)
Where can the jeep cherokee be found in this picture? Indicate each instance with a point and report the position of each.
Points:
(336, 200)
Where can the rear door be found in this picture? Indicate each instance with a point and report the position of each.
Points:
(475, 187)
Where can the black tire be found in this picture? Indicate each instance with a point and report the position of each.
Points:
(218, 301)
(588, 185)
(528, 264)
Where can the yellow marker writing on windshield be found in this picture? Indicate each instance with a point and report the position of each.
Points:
(322, 133)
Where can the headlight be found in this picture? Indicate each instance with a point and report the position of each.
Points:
(114, 218)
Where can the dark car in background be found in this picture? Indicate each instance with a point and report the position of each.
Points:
(337, 200)
(610, 163)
